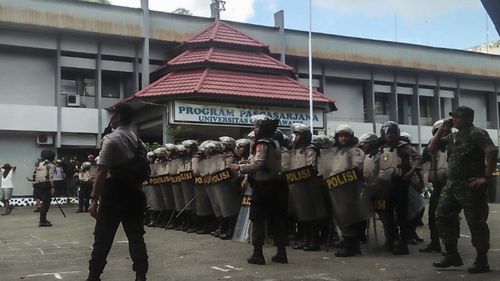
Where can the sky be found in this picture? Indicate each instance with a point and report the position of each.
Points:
(456, 24)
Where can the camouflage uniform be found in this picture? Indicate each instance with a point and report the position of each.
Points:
(466, 160)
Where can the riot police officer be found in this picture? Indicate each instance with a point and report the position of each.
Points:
(394, 180)
(437, 176)
(269, 198)
(44, 184)
(309, 207)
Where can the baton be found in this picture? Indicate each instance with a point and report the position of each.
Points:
(158, 217)
(60, 208)
(375, 230)
(187, 205)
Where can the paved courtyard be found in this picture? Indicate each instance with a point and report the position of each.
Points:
(61, 252)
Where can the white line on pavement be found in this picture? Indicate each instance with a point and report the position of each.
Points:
(220, 269)
(56, 275)
(232, 267)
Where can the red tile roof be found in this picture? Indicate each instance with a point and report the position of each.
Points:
(229, 57)
(224, 33)
(204, 82)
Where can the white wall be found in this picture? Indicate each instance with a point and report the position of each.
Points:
(27, 78)
(20, 150)
(79, 120)
(348, 98)
(476, 101)
(28, 118)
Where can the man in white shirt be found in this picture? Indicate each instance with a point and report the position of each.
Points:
(7, 187)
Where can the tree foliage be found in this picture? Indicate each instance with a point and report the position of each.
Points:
(182, 11)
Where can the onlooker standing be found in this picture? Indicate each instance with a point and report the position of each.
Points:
(7, 187)
(59, 177)
(72, 174)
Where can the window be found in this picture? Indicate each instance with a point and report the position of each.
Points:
(381, 104)
(77, 82)
(110, 85)
(425, 107)
(68, 87)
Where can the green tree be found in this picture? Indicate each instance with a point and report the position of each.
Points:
(179, 133)
(182, 11)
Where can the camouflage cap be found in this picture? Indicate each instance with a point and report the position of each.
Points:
(463, 111)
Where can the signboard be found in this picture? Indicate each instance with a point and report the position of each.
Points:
(239, 114)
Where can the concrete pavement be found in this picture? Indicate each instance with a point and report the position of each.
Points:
(61, 252)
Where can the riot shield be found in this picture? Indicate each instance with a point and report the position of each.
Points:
(226, 192)
(305, 190)
(349, 200)
(166, 187)
(176, 182)
(152, 191)
(203, 206)
(213, 166)
(188, 185)
(241, 230)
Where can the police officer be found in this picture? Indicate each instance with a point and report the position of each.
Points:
(269, 197)
(307, 154)
(119, 197)
(394, 176)
(471, 161)
(437, 176)
(44, 184)
(229, 222)
(85, 187)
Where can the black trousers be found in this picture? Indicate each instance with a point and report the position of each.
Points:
(84, 196)
(125, 206)
(394, 215)
(269, 202)
(46, 197)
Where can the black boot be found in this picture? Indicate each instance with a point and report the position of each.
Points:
(224, 228)
(193, 224)
(93, 277)
(280, 256)
(169, 220)
(480, 265)
(217, 230)
(231, 223)
(350, 249)
(205, 225)
(257, 257)
(43, 221)
(313, 238)
(153, 215)
(451, 258)
(401, 248)
(140, 276)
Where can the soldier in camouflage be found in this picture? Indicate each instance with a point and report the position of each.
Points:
(471, 160)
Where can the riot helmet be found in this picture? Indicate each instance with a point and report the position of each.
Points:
(301, 135)
(390, 131)
(228, 142)
(265, 126)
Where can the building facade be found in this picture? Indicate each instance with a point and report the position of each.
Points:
(62, 63)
